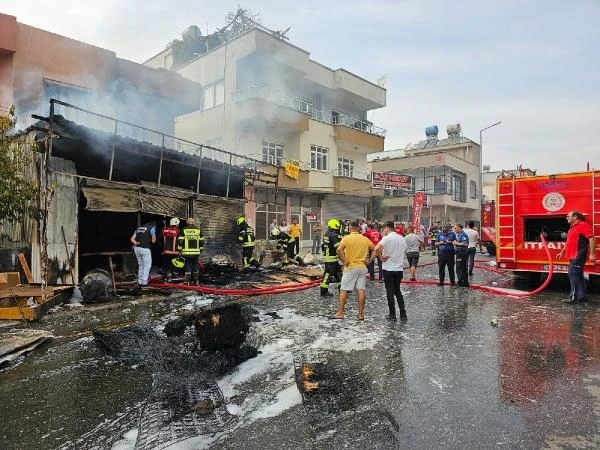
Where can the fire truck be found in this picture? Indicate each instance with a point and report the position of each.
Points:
(527, 206)
(488, 226)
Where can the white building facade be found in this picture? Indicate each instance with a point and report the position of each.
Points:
(265, 98)
(446, 171)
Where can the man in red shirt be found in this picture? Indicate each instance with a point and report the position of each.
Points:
(580, 240)
(374, 236)
(170, 251)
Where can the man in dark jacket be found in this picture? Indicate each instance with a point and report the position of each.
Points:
(445, 246)
(143, 237)
(461, 245)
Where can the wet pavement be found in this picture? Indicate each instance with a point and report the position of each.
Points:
(448, 378)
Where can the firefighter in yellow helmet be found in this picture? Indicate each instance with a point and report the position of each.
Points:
(190, 244)
(331, 242)
(246, 238)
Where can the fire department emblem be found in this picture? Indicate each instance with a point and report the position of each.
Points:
(553, 201)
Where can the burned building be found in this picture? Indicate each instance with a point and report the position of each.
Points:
(100, 186)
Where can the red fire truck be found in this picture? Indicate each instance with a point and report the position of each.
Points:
(530, 205)
(488, 226)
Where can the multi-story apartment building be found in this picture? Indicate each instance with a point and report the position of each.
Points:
(446, 170)
(264, 97)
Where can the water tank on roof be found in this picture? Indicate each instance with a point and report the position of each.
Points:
(192, 32)
(431, 131)
(453, 129)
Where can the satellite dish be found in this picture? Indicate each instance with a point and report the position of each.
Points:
(382, 80)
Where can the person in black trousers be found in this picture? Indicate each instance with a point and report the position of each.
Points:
(461, 245)
(445, 248)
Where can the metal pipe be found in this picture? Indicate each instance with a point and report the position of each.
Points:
(112, 157)
(162, 150)
(228, 175)
(199, 171)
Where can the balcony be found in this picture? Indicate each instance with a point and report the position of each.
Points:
(339, 120)
(353, 183)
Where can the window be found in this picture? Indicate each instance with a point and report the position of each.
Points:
(213, 95)
(272, 153)
(473, 189)
(318, 157)
(335, 117)
(458, 187)
(345, 167)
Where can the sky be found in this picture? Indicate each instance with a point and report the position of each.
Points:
(532, 64)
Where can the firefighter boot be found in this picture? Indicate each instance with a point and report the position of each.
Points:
(325, 292)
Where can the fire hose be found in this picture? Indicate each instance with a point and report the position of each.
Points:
(293, 287)
(502, 291)
(279, 289)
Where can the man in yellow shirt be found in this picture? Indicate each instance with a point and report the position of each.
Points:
(353, 251)
(296, 232)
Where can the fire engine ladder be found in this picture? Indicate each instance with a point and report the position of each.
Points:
(506, 216)
(596, 202)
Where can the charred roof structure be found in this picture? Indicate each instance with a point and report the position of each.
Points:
(97, 186)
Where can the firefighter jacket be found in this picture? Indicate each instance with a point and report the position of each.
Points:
(170, 240)
(246, 236)
(284, 241)
(331, 242)
(190, 241)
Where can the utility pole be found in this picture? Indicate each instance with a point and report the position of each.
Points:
(481, 158)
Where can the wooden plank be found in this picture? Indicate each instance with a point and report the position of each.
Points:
(8, 279)
(16, 313)
(24, 291)
(26, 268)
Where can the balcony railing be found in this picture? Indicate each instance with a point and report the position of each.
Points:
(300, 105)
(365, 176)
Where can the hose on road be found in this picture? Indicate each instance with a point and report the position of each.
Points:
(293, 287)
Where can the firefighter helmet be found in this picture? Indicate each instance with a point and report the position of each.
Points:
(334, 224)
(178, 262)
(275, 232)
(174, 222)
(241, 220)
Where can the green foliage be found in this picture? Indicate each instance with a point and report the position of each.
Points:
(378, 206)
(18, 191)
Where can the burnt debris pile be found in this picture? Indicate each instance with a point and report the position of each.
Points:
(185, 401)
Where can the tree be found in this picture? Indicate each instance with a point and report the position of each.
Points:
(18, 191)
(376, 208)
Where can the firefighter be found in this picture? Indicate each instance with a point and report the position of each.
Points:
(169, 235)
(286, 247)
(190, 245)
(246, 238)
(331, 241)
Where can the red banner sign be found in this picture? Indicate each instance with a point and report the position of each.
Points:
(386, 180)
(418, 204)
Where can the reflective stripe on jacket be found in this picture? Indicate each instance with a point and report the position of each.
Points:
(190, 241)
(246, 237)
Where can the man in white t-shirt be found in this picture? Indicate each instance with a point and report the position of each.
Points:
(473, 241)
(392, 250)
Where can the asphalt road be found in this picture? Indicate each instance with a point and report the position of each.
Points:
(468, 370)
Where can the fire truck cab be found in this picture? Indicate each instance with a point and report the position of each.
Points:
(530, 205)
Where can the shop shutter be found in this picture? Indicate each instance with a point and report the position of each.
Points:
(216, 217)
(342, 207)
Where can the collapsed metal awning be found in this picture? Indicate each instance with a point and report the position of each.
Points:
(128, 200)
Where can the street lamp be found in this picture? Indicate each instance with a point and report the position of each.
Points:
(481, 157)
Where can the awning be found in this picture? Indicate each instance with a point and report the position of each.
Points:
(127, 200)
(116, 200)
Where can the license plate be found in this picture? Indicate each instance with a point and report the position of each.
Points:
(557, 267)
